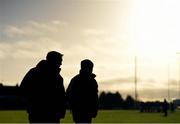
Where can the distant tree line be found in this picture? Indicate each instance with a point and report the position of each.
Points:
(115, 101)
(10, 99)
(111, 100)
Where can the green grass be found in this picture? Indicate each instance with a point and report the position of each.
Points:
(131, 116)
(104, 116)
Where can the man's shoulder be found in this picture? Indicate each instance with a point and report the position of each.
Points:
(32, 70)
(75, 77)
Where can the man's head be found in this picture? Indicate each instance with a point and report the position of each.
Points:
(87, 66)
(54, 58)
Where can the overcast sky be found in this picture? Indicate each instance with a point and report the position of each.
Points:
(109, 32)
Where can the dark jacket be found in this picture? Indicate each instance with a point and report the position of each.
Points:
(82, 94)
(43, 90)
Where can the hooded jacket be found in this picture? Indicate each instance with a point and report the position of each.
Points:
(82, 94)
(43, 90)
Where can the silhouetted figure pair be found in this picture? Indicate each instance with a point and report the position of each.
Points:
(82, 94)
(43, 91)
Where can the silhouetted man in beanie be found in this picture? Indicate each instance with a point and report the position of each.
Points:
(82, 94)
(43, 90)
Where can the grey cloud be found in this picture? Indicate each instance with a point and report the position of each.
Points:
(147, 91)
(130, 80)
(141, 83)
(94, 32)
(28, 48)
(33, 29)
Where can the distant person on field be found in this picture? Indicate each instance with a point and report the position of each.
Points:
(43, 90)
(172, 107)
(165, 107)
(82, 94)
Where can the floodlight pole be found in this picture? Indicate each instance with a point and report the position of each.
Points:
(1, 71)
(178, 53)
(135, 79)
(168, 83)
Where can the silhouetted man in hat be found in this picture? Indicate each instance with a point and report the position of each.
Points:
(43, 90)
(82, 94)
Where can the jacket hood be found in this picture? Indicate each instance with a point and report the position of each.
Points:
(92, 75)
(42, 64)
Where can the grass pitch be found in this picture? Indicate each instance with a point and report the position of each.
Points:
(104, 116)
